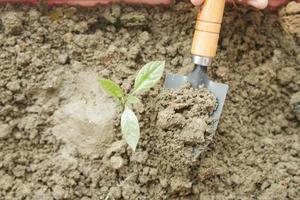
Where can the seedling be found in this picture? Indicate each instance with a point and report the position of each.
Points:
(146, 78)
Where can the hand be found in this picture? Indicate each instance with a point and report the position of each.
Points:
(260, 4)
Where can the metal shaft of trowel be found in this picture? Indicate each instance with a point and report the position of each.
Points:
(199, 74)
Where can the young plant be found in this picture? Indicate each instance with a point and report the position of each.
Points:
(146, 78)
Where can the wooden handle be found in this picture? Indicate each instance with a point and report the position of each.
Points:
(207, 30)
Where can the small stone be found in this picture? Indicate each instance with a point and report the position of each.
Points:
(13, 86)
(19, 171)
(5, 130)
(68, 37)
(286, 75)
(236, 179)
(153, 172)
(143, 179)
(63, 58)
(116, 162)
(18, 135)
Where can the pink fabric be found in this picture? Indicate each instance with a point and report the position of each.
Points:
(272, 3)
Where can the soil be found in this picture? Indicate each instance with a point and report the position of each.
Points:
(59, 133)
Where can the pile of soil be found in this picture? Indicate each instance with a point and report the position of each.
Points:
(59, 133)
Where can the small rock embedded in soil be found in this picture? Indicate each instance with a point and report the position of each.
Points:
(13, 86)
(116, 162)
(19, 171)
(63, 58)
(5, 130)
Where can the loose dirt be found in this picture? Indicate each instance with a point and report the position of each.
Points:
(59, 133)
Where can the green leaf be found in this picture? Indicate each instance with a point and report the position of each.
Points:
(148, 76)
(130, 128)
(111, 88)
(133, 100)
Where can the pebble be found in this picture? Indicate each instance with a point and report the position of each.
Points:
(5, 130)
(116, 162)
(63, 59)
(13, 86)
(19, 171)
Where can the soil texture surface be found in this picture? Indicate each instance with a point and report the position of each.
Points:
(59, 133)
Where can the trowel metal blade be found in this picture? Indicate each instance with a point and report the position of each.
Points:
(175, 81)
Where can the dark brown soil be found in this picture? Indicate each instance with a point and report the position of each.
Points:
(59, 134)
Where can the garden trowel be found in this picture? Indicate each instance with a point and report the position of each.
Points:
(204, 48)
